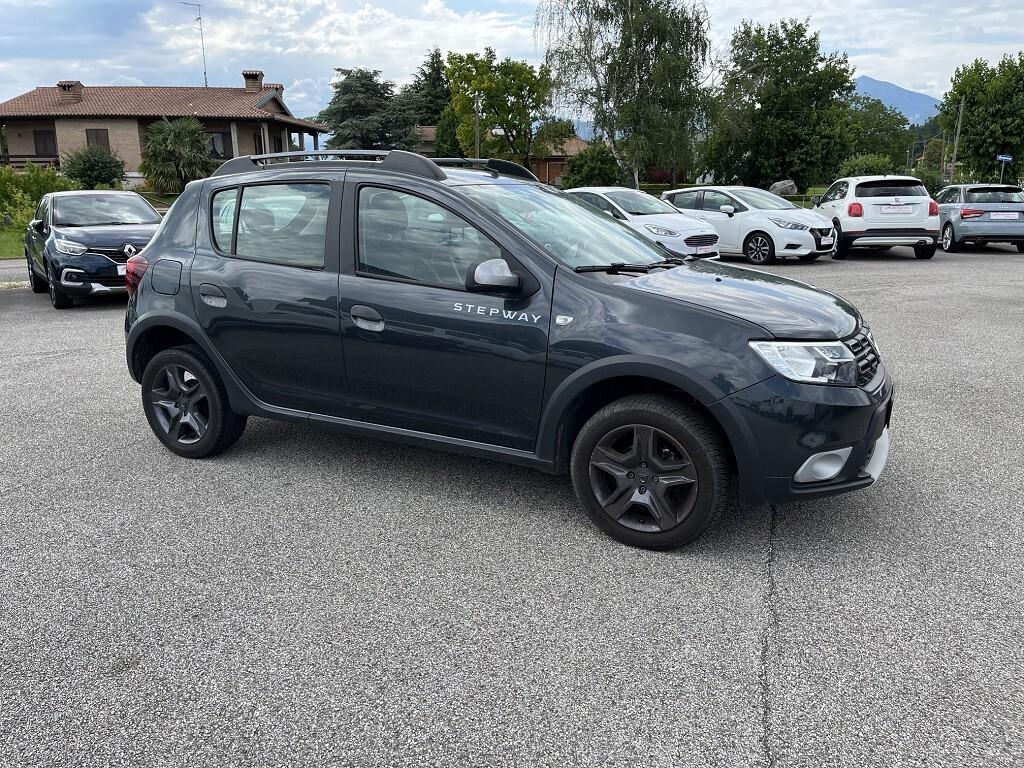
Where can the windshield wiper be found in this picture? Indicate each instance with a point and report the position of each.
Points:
(622, 267)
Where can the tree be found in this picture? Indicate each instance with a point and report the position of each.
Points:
(429, 93)
(875, 129)
(931, 158)
(868, 165)
(515, 105)
(595, 166)
(633, 66)
(446, 139)
(91, 166)
(174, 153)
(781, 108)
(993, 120)
(356, 113)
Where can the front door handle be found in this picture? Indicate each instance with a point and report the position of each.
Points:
(367, 318)
(213, 296)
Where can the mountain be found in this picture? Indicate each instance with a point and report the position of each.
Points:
(916, 107)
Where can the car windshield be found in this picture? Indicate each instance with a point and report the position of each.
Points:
(96, 209)
(995, 195)
(572, 231)
(638, 203)
(765, 201)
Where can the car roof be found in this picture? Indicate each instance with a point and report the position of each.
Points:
(79, 192)
(603, 189)
(887, 177)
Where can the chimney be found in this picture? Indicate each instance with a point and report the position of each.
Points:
(70, 91)
(253, 79)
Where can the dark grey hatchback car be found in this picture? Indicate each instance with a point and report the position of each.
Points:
(461, 304)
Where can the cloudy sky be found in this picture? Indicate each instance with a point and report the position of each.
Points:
(914, 43)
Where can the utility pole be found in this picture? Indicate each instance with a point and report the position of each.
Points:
(942, 162)
(476, 114)
(202, 39)
(956, 141)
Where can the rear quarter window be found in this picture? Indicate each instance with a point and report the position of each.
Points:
(891, 188)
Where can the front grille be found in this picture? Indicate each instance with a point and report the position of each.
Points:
(866, 354)
(822, 232)
(110, 281)
(115, 254)
(701, 240)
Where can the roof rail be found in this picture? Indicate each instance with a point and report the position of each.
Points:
(495, 166)
(393, 160)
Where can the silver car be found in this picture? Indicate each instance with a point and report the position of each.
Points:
(981, 213)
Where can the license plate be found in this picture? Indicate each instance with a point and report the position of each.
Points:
(827, 240)
(121, 269)
(705, 248)
(897, 209)
(1003, 215)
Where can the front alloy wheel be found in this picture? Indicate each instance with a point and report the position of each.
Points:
(759, 249)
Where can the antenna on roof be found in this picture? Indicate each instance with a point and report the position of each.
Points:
(202, 40)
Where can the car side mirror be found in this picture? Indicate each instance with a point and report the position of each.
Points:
(728, 210)
(492, 275)
(38, 225)
(816, 201)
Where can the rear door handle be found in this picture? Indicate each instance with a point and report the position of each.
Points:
(367, 318)
(213, 296)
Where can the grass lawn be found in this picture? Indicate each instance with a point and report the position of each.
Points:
(12, 244)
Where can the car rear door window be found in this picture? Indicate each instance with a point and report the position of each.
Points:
(891, 188)
(406, 237)
(279, 223)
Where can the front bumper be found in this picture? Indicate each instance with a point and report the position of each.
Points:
(788, 423)
(77, 282)
(803, 242)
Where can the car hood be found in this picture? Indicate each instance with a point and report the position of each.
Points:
(786, 308)
(681, 223)
(800, 215)
(109, 236)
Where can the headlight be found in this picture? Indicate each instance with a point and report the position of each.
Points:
(787, 224)
(825, 362)
(661, 231)
(70, 247)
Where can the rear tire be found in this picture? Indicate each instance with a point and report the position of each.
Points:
(36, 283)
(842, 247)
(187, 406)
(949, 241)
(925, 251)
(759, 249)
(58, 298)
(650, 471)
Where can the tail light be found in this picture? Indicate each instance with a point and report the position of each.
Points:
(855, 210)
(933, 208)
(134, 269)
(971, 213)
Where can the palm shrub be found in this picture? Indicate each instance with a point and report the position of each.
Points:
(93, 167)
(174, 153)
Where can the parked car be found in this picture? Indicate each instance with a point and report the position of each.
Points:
(78, 242)
(881, 212)
(654, 219)
(755, 224)
(980, 214)
(476, 310)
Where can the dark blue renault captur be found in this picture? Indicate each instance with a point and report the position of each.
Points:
(465, 306)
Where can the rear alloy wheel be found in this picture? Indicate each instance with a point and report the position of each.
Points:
(650, 471)
(186, 404)
(36, 283)
(58, 298)
(949, 243)
(925, 251)
(759, 249)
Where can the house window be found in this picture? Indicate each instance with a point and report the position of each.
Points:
(97, 137)
(45, 142)
(219, 144)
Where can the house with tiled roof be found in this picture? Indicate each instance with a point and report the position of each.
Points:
(47, 122)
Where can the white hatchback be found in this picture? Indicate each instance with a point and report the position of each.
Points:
(755, 224)
(683, 235)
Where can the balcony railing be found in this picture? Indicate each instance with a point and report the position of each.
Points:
(18, 162)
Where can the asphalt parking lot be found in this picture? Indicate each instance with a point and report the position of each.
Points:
(314, 599)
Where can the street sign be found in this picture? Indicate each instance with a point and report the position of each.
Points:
(1004, 158)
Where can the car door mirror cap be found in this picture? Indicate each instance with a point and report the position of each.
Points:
(816, 200)
(728, 210)
(492, 275)
(38, 225)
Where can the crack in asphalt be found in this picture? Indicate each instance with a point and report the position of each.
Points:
(769, 642)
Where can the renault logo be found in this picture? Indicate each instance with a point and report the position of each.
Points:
(129, 250)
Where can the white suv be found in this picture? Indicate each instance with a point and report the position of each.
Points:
(881, 212)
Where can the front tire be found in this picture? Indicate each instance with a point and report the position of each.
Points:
(187, 406)
(759, 249)
(925, 251)
(650, 471)
(949, 241)
(58, 298)
(36, 283)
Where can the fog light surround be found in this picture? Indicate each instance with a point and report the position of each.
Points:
(823, 466)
